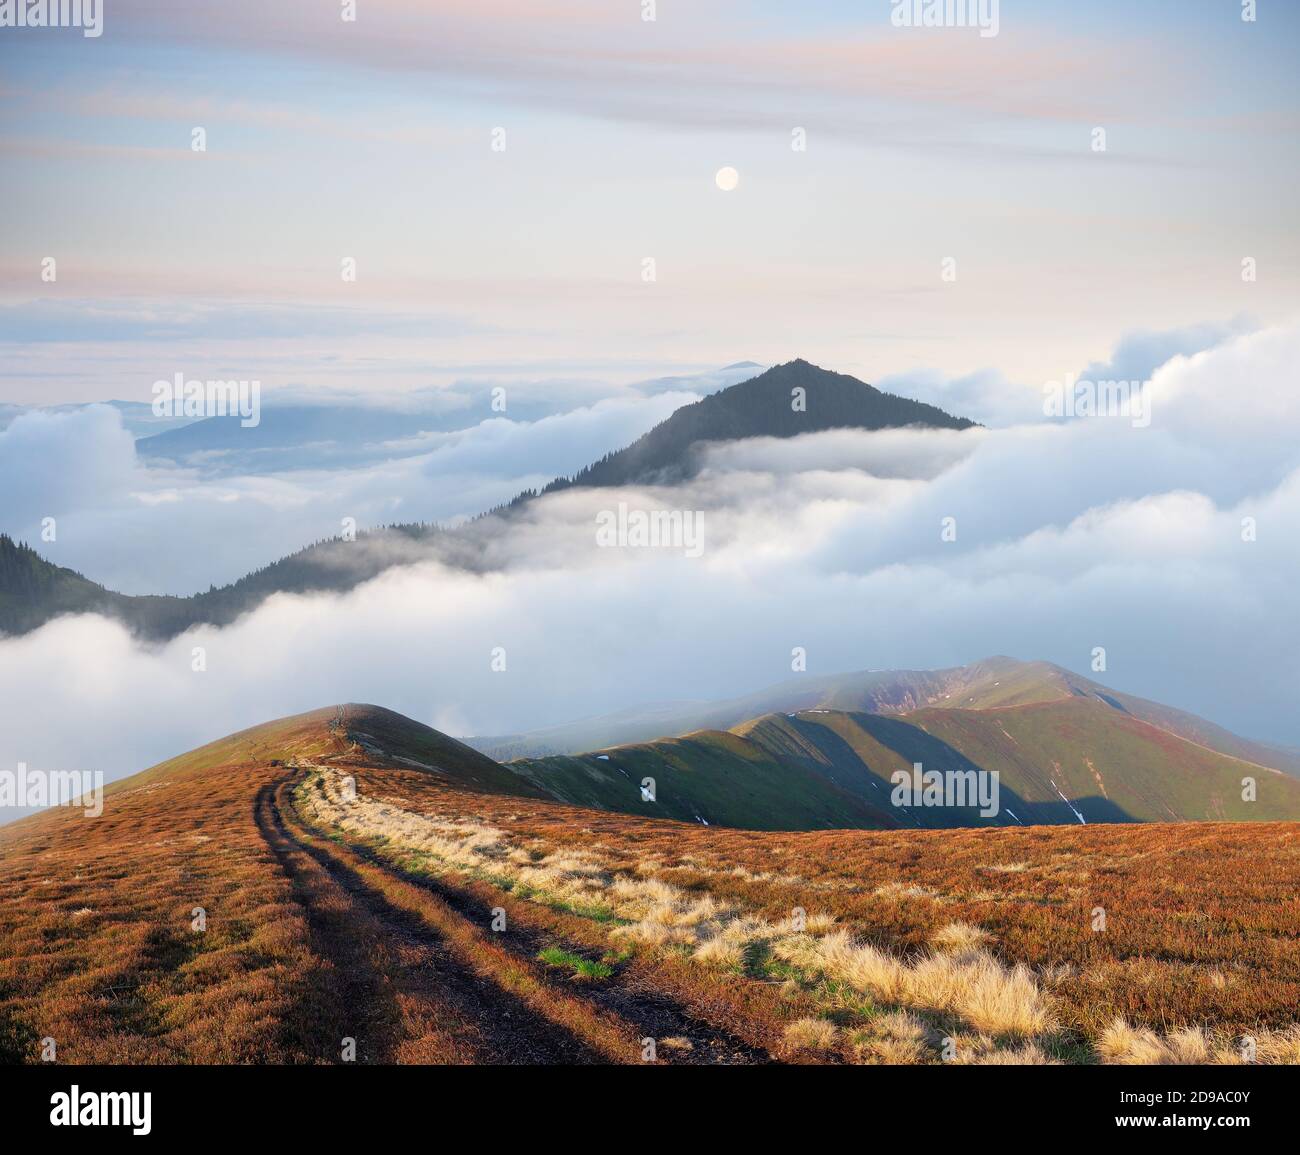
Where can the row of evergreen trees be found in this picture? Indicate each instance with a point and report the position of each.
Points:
(23, 572)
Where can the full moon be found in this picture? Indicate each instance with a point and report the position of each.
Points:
(727, 178)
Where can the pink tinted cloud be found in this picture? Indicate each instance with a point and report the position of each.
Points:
(701, 66)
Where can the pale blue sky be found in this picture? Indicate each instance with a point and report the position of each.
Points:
(372, 140)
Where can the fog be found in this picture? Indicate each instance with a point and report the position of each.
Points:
(1068, 536)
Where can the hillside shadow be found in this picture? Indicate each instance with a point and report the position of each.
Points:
(850, 772)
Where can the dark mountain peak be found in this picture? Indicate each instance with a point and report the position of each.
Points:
(801, 365)
(762, 406)
(32, 590)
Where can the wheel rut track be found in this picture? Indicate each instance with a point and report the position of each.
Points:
(506, 1029)
(652, 1012)
(656, 1014)
(350, 973)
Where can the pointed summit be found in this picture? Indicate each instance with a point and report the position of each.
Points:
(763, 406)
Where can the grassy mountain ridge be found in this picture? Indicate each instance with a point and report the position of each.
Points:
(992, 683)
(1070, 761)
(383, 736)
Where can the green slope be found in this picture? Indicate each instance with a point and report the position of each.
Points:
(1064, 761)
(1107, 762)
(994, 683)
(714, 777)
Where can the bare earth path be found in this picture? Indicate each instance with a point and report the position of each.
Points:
(405, 992)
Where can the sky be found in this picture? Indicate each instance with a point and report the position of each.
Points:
(373, 141)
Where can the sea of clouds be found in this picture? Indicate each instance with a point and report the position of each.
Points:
(1069, 536)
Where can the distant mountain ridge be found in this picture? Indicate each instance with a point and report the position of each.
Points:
(33, 590)
(994, 683)
(1065, 762)
(1065, 748)
(319, 431)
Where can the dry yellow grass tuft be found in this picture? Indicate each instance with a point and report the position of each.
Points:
(971, 985)
(1028, 1055)
(811, 1035)
(897, 1038)
(1125, 1044)
(960, 936)
(1276, 1046)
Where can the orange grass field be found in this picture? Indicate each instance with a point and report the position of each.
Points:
(289, 894)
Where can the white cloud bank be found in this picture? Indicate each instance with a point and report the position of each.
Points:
(139, 529)
(1069, 536)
